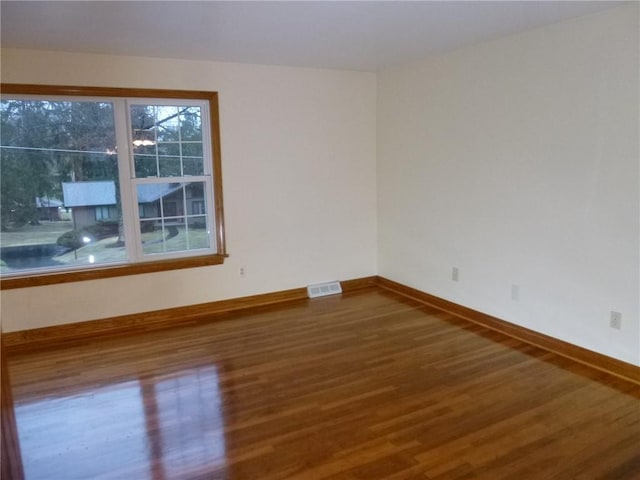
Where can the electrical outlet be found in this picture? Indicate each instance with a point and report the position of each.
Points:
(515, 292)
(455, 275)
(242, 271)
(615, 321)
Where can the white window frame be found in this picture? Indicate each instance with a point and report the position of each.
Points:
(129, 181)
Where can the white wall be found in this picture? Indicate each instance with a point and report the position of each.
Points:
(517, 161)
(298, 161)
(514, 160)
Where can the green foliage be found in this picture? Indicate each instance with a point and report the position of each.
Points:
(102, 229)
(165, 127)
(75, 239)
(71, 239)
(25, 173)
(46, 143)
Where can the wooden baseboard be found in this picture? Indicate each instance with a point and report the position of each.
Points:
(159, 319)
(579, 354)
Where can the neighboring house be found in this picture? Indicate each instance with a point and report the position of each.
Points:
(96, 201)
(90, 202)
(174, 204)
(48, 208)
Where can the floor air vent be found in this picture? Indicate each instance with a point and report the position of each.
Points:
(323, 289)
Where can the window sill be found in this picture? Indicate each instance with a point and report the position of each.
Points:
(97, 273)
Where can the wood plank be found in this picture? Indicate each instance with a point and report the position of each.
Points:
(596, 360)
(364, 385)
(10, 458)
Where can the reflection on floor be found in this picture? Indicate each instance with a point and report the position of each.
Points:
(175, 422)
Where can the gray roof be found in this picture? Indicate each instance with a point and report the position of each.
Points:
(48, 202)
(150, 192)
(87, 194)
(94, 194)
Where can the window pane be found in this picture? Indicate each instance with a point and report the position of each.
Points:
(174, 217)
(168, 149)
(170, 167)
(190, 124)
(60, 200)
(167, 140)
(193, 158)
(198, 232)
(167, 123)
(146, 166)
(193, 166)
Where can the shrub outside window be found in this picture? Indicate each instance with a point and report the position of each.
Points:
(100, 182)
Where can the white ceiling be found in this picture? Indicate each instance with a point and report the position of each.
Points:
(358, 35)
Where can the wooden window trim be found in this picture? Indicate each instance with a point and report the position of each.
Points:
(95, 273)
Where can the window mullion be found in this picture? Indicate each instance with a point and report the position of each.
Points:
(127, 187)
(207, 143)
(211, 214)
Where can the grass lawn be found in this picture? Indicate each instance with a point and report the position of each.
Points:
(46, 232)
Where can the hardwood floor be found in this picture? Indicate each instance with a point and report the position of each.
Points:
(10, 458)
(367, 385)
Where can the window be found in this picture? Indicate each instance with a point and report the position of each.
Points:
(100, 182)
(197, 206)
(106, 213)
